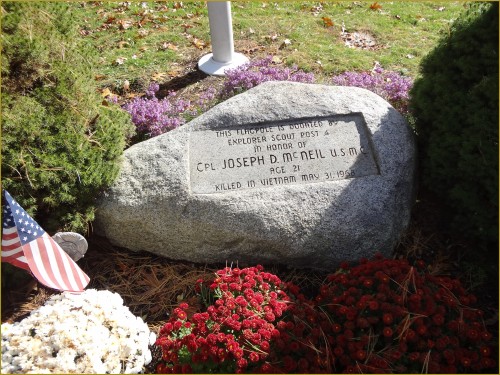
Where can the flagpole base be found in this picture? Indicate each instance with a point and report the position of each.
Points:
(214, 68)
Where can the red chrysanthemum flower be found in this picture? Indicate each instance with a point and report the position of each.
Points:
(465, 361)
(254, 357)
(387, 318)
(360, 355)
(387, 332)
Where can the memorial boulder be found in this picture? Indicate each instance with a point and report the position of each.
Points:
(290, 173)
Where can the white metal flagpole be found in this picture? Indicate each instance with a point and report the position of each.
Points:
(221, 32)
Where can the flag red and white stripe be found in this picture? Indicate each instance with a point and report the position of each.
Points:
(26, 245)
(12, 252)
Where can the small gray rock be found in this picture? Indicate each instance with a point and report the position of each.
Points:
(298, 174)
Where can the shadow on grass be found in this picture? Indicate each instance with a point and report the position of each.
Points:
(180, 82)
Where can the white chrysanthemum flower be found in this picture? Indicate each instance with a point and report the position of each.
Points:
(91, 332)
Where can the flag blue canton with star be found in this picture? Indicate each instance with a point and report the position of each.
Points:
(27, 246)
(27, 228)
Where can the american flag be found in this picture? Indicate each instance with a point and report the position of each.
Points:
(26, 245)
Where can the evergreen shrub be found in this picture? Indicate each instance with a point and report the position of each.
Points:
(455, 104)
(60, 143)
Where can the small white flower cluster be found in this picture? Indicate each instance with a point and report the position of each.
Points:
(91, 332)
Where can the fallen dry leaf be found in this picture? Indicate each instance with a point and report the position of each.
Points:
(167, 45)
(272, 37)
(361, 40)
(375, 6)
(143, 22)
(122, 44)
(110, 20)
(85, 32)
(120, 60)
(315, 10)
(251, 50)
(125, 24)
(162, 8)
(106, 92)
(175, 71)
(99, 77)
(198, 43)
(104, 26)
(327, 21)
(159, 76)
(277, 59)
(125, 4)
(285, 43)
(143, 33)
(132, 95)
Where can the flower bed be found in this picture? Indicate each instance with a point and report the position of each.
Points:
(390, 85)
(153, 116)
(381, 316)
(83, 333)
(255, 72)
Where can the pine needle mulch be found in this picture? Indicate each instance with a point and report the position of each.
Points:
(150, 285)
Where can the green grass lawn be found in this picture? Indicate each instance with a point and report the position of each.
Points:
(154, 41)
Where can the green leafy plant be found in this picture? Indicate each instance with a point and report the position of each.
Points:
(60, 145)
(234, 333)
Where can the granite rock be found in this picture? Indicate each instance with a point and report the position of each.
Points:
(297, 174)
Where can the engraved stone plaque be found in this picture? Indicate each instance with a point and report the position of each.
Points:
(281, 153)
(289, 173)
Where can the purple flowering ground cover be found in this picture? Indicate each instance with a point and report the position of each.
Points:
(392, 86)
(153, 116)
